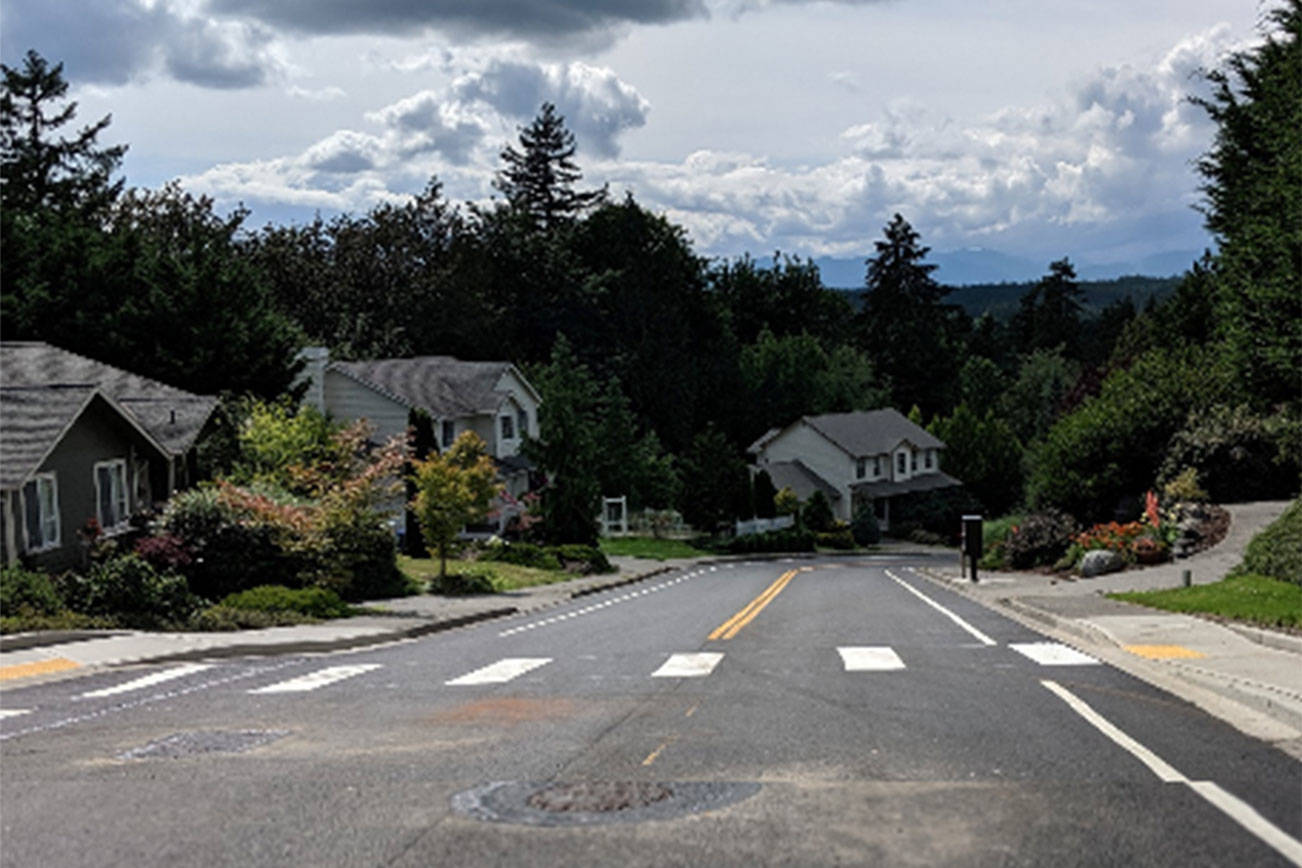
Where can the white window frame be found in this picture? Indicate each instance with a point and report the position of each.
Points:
(125, 491)
(522, 421)
(447, 427)
(54, 519)
(507, 421)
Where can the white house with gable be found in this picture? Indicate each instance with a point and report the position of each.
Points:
(493, 399)
(873, 455)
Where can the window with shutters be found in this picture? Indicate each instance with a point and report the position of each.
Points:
(41, 512)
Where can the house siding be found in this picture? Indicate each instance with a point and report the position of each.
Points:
(819, 454)
(348, 400)
(98, 435)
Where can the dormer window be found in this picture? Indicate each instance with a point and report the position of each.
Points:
(508, 428)
(931, 458)
(902, 463)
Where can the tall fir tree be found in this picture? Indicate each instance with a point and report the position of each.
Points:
(538, 179)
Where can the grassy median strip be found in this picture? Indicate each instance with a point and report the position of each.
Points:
(1251, 598)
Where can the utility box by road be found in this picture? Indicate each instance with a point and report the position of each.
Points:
(971, 546)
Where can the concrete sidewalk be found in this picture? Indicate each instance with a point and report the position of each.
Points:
(1250, 677)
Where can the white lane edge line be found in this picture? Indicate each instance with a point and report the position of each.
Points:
(1228, 803)
(1247, 817)
(148, 680)
(318, 679)
(981, 637)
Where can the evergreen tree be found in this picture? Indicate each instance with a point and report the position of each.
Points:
(1253, 206)
(1049, 313)
(765, 491)
(712, 478)
(538, 179)
(903, 326)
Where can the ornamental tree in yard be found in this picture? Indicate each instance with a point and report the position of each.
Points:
(453, 489)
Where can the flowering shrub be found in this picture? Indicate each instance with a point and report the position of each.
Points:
(1147, 540)
(1118, 537)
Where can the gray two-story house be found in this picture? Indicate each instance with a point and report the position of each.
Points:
(853, 458)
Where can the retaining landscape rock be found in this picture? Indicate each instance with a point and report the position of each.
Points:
(1100, 561)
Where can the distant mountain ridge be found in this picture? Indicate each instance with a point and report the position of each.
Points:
(979, 266)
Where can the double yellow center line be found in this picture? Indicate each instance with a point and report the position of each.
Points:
(733, 625)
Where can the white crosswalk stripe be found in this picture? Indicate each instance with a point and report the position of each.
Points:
(872, 658)
(148, 680)
(318, 679)
(500, 672)
(13, 712)
(1053, 654)
(688, 665)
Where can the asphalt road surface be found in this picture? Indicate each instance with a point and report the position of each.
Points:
(803, 712)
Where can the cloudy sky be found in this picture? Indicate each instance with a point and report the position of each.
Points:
(1032, 129)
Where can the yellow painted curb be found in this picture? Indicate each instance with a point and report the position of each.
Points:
(1164, 652)
(37, 667)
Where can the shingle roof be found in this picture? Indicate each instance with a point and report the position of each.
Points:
(31, 420)
(173, 417)
(442, 385)
(798, 476)
(926, 482)
(871, 432)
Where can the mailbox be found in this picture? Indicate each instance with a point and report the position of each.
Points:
(972, 541)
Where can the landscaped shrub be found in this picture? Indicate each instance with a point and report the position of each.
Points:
(818, 513)
(223, 618)
(27, 593)
(587, 559)
(940, 512)
(466, 582)
(789, 539)
(165, 552)
(313, 602)
(1040, 540)
(1236, 453)
(841, 539)
(130, 591)
(1277, 550)
(864, 526)
(1184, 488)
(522, 554)
(358, 557)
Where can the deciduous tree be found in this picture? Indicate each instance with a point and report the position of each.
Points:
(453, 489)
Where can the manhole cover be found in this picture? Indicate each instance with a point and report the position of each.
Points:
(589, 803)
(598, 796)
(184, 744)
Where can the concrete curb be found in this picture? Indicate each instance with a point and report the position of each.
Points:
(27, 641)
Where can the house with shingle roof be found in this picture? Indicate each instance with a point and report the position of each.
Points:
(492, 399)
(871, 456)
(81, 440)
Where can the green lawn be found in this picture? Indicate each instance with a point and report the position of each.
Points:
(649, 547)
(506, 577)
(1252, 598)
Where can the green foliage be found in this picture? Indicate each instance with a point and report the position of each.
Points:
(981, 384)
(131, 591)
(1235, 453)
(907, 333)
(462, 582)
(649, 547)
(1253, 202)
(1049, 313)
(1184, 488)
(983, 454)
(538, 179)
(841, 539)
(994, 537)
(1031, 403)
(28, 593)
(789, 539)
(1039, 540)
(1111, 446)
(1247, 597)
(939, 511)
(864, 526)
(453, 489)
(275, 437)
(713, 476)
(522, 554)
(312, 602)
(818, 513)
(220, 618)
(786, 502)
(786, 298)
(586, 559)
(1277, 550)
(764, 493)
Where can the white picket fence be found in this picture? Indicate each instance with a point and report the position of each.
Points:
(761, 525)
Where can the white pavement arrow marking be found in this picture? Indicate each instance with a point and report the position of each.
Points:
(879, 658)
(500, 672)
(688, 665)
